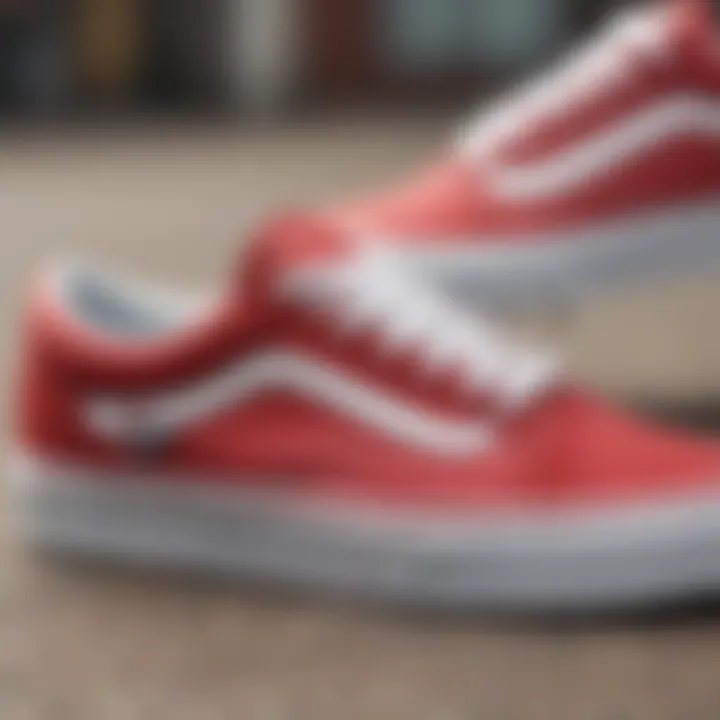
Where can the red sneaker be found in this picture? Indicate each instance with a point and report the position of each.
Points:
(607, 167)
(332, 422)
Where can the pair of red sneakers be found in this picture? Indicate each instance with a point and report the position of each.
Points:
(336, 419)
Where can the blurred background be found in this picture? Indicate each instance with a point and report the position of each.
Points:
(153, 134)
(127, 57)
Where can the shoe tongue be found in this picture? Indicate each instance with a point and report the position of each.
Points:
(683, 32)
(666, 29)
(678, 28)
(687, 24)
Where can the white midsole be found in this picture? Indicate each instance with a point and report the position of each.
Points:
(572, 561)
(581, 260)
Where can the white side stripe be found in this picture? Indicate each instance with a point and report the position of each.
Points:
(582, 163)
(303, 376)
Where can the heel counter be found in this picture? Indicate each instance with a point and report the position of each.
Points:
(45, 413)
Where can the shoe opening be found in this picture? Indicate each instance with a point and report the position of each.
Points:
(124, 307)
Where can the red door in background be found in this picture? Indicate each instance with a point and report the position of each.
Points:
(339, 40)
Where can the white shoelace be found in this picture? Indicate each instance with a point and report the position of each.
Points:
(593, 67)
(373, 293)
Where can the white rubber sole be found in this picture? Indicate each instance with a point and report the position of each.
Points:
(585, 260)
(594, 562)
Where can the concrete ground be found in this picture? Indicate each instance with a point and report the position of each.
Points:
(83, 643)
